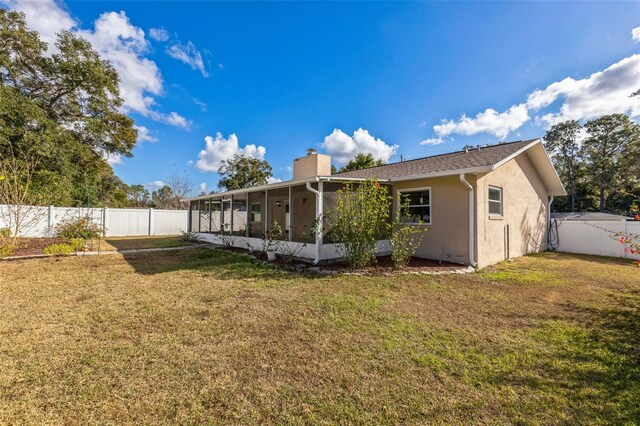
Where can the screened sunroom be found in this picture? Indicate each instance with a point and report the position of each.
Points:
(248, 214)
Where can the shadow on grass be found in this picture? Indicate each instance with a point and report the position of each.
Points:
(591, 361)
(207, 261)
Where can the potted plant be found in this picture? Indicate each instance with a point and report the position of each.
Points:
(274, 235)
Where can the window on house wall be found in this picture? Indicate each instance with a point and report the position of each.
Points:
(495, 201)
(415, 205)
(256, 215)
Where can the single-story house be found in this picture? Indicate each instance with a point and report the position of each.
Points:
(480, 205)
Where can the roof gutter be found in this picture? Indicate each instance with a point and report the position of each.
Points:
(319, 209)
(549, 221)
(279, 185)
(472, 233)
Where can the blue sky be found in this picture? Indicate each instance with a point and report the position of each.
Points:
(417, 78)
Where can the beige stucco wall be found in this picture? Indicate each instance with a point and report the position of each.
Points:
(312, 165)
(525, 201)
(447, 238)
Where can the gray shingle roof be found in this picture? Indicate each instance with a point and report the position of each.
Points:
(486, 156)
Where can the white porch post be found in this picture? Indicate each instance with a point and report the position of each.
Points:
(248, 224)
(266, 212)
(290, 217)
(231, 215)
(319, 224)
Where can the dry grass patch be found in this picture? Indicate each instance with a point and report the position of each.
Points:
(205, 336)
(129, 243)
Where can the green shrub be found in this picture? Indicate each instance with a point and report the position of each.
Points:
(359, 220)
(6, 250)
(78, 244)
(190, 236)
(59, 249)
(5, 232)
(82, 228)
(405, 239)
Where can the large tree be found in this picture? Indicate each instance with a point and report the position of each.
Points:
(65, 109)
(562, 142)
(361, 161)
(172, 194)
(611, 151)
(243, 172)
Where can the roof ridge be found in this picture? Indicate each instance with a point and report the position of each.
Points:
(439, 155)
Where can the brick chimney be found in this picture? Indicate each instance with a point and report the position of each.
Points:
(312, 164)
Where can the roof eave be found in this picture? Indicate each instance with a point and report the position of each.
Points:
(278, 185)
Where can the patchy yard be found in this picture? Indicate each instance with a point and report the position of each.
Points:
(128, 243)
(36, 246)
(204, 336)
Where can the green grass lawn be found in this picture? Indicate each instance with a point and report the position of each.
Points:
(208, 337)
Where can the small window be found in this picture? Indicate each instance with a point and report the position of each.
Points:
(495, 201)
(416, 206)
(256, 215)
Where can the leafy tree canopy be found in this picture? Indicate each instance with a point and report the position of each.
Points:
(243, 172)
(63, 109)
(599, 163)
(361, 161)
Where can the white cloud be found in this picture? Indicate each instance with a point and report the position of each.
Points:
(156, 184)
(603, 92)
(159, 34)
(490, 121)
(124, 46)
(343, 147)
(177, 120)
(117, 40)
(188, 54)
(424, 123)
(144, 135)
(272, 179)
(113, 159)
(219, 149)
(433, 141)
(202, 105)
(202, 187)
(46, 17)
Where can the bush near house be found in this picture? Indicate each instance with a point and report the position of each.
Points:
(82, 228)
(359, 220)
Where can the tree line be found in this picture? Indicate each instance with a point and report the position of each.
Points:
(60, 117)
(599, 164)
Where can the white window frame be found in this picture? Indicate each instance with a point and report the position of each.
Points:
(399, 193)
(251, 212)
(489, 201)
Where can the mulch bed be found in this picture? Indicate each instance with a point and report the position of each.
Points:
(384, 264)
(34, 246)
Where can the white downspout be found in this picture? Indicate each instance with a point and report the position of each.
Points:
(549, 221)
(472, 233)
(319, 208)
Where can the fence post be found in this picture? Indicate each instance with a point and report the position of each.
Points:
(151, 221)
(624, 229)
(50, 221)
(104, 221)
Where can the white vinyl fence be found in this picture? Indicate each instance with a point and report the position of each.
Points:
(595, 237)
(41, 221)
